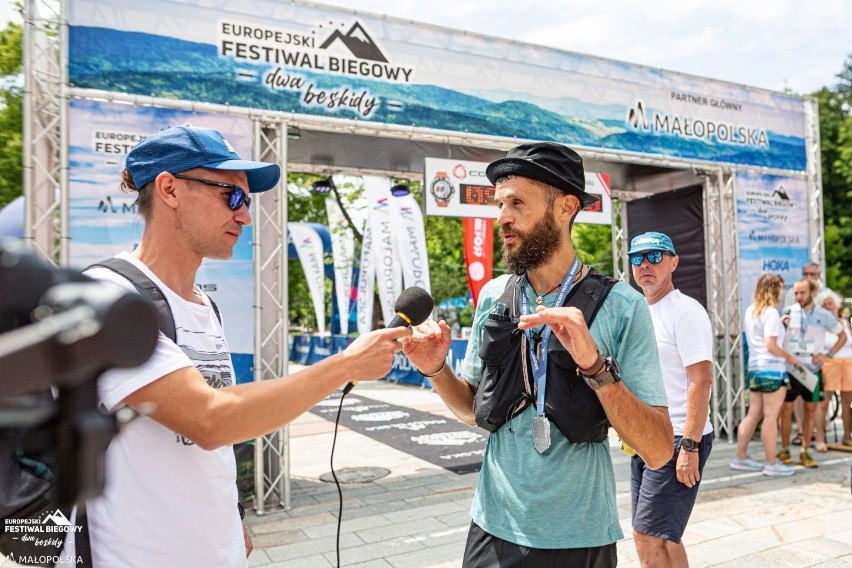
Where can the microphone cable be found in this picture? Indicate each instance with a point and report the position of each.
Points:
(336, 481)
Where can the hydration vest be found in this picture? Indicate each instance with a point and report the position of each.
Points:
(507, 386)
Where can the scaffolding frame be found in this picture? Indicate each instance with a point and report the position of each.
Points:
(271, 355)
(46, 169)
(45, 124)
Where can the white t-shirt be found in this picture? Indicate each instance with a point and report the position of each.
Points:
(757, 331)
(684, 337)
(806, 330)
(167, 502)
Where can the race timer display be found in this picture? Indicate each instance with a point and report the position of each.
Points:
(476, 194)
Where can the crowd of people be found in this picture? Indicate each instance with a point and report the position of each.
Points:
(798, 353)
(558, 355)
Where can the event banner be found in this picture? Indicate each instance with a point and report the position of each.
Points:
(772, 228)
(459, 188)
(309, 249)
(343, 253)
(386, 263)
(311, 59)
(364, 303)
(478, 253)
(103, 220)
(407, 220)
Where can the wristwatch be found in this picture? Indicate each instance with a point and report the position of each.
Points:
(690, 445)
(607, 374)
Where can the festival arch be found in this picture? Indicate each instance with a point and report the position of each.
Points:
(730, 171)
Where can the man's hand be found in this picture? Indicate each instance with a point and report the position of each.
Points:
(687, 468)
(428, 345)
(371, 355)
(570, 329)
(247, 539)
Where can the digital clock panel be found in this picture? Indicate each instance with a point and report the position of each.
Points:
(476, 194)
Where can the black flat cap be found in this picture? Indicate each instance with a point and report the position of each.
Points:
(548, 162)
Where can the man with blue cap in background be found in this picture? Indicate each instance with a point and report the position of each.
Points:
(663, 499)
(171, 495)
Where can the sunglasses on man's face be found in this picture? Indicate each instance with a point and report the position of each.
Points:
(237, 196)
(654, 257)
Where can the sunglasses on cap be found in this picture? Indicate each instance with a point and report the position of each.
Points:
(236, 198)
(653, 256)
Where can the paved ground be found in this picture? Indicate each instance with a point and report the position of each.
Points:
(417, 516)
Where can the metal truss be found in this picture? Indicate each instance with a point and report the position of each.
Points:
(720, 206)
(814, 183)
(46, 224)
(45, 130)
(271, 353)
(620, 266)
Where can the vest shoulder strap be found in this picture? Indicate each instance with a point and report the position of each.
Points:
(589, 295)
(509, 297)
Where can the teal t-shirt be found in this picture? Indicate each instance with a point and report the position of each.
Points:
(565, 497)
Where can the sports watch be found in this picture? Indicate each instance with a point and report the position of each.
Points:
(606, 374)
(442, 189)
(690, 445)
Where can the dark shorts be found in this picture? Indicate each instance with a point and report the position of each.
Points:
(767, 381)
(798, 389)
(661, 503)
(486, 551)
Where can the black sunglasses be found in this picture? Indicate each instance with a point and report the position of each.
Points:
(654, 257)
(237, 197)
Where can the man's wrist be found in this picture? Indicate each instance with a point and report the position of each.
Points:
(594, 368)
(436, 373)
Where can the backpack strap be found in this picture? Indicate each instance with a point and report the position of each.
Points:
(589, 295)
(509, 297)
(150, 291)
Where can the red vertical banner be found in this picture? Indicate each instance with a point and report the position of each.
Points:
(478, 253)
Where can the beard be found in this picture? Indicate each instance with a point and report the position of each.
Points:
(536, 246)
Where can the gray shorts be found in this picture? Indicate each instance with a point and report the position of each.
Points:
(662, 504)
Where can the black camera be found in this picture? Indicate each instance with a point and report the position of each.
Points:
(59, 331)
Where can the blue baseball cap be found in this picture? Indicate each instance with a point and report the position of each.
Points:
(183, 148)
(651, 241)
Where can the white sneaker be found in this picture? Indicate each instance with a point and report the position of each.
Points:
(746, 464)
(777, 469)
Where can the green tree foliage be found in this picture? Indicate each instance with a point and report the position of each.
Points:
(594, 245)
(11, 125)
(835, 119)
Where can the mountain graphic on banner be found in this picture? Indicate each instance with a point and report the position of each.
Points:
(359, 43)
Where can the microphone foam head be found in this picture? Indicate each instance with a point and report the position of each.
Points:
(415, 303)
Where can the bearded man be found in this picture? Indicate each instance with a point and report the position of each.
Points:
(558, 354)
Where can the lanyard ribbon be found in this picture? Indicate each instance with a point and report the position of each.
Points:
(539, 360)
